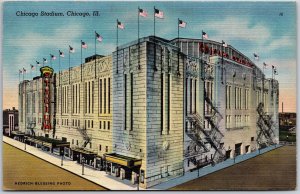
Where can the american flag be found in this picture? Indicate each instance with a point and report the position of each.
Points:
(265, 65)
(98, 37)
(71, 49)
(256, 56)
(61, 54)
(45, 60)
(224, 44)
(181, 23)
(204, 35)
(20, 71)
(38, 63)
(53, 57)
(158, 13)
(120, 25)
(143, 13)
(84, 45)
(32, 67)
(24, 70)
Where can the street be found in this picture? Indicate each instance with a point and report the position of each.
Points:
(274, 170)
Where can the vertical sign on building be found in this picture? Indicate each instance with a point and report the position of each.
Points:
(46, 73)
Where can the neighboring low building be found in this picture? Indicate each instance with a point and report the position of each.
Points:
(10, 121)
(287, 119)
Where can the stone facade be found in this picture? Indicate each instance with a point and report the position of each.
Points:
(154, 86)
(84, 106)
(171, 110)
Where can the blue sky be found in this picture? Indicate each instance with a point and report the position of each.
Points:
(249, 27)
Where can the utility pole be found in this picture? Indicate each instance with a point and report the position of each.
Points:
(82, 161)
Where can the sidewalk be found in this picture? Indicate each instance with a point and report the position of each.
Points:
(96, 176)
(114, 183)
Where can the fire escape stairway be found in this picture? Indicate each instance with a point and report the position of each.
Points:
(265, 125)
(195, 131)
(87, 139)
(214, 136)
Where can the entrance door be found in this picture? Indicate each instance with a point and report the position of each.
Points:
(228, 152)
(238, 149)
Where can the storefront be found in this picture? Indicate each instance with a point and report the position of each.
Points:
(18, 135)
(123, 167)
(82, 155)
(46, 144)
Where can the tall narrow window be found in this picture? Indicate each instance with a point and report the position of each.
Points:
(191, 96)
(195, 96)
(89, 111)
(169, 102)
(240, 98)
(226, 100)
(229, 99)
(125, 101)
(85, 99)
(93, 96)
(104, 96)
(131, 101)
(76, 92)
(235, 98)
(79, 98)
(73, 98)
(162, 103)
(109, 88)
(186, 95)
(100, 96)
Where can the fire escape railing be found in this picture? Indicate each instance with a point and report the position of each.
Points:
(265, 135)
(86, 138)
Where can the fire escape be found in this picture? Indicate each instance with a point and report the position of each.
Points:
(201, 136)
(214, 135)
(86, 138)
(265, 136)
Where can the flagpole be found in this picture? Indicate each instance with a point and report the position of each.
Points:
(117, 45)
(222, 61)
(31, 71)
(19, 76)
(203, 74)
(154, 21)
(155, 68)
(95, 53)
(59, 65)
(139, 67)
(179, 49)
(36, 69)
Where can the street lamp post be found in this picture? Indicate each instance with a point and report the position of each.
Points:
(234, 155)
(62, 157)
(82, 161)
(138, 181)
(25, 142)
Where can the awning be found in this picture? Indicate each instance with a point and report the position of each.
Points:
(48, 142)
(18, 133)
(123, 160)
(83, 151)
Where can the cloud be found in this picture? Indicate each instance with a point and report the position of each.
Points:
(282, 42)
(233, 28)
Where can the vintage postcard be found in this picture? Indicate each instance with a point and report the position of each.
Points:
(175, 95)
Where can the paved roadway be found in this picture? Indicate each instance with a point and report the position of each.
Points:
(275, 170)
(23, 171)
